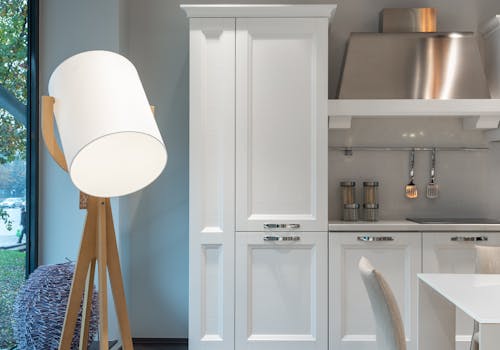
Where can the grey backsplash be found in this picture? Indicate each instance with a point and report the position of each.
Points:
(468, 181)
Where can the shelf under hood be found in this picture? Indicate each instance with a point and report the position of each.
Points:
(476, 113)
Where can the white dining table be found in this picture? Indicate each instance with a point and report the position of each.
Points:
(438, 297)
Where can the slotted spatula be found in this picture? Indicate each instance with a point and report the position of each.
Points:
(411, 189)
(432, 187)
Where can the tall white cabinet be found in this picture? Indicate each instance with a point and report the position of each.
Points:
(258, 176)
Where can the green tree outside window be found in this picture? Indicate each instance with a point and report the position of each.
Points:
(13, 141)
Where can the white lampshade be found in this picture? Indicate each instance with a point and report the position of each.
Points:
(108, 133)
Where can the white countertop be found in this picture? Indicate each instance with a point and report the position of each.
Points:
(407, 226)
(476, 295)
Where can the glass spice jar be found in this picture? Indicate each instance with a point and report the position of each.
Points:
(370, 212)
(350, 212)
(370, 192)
(348, 189)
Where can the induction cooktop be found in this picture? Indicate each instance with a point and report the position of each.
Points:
(453, 221)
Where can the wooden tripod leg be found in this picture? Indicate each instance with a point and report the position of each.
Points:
(102, 275)
(87, 306)
(116, 280)
(85, 255)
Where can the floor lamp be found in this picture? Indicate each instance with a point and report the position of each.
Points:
(111, 146)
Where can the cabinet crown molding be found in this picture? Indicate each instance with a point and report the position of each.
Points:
(255, 10)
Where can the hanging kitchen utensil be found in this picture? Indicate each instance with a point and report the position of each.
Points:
(432, 187)
(411, 189)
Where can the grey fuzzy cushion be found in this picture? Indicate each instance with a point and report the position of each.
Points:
(40, 307)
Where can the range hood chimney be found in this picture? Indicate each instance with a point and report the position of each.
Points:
(408, 59)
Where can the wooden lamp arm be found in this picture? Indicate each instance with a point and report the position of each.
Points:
(48, 132)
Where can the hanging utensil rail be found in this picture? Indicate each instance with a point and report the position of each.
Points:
(348, 151)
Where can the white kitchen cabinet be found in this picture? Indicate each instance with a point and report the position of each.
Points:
(258, 155)
(397, 256)
(211, 184)
(281, 123)
(454, 252)
(281, 291)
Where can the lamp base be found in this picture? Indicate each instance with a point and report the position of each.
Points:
(98, 246)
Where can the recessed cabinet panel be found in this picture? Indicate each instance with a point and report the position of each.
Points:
(281, 123)
(211, 183)
(270, 271)
(397, 257)
(281, 291)
(455, 253)
(212, 293)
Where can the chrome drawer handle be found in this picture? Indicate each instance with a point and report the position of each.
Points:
(469, 238)
(375, 239)
(284, 239)
(285, 226)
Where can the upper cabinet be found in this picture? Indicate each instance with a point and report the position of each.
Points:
(491, 35)
(281, 123)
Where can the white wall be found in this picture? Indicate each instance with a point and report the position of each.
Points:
(154, 223)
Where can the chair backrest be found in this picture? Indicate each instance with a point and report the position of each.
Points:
(389, 325)
(487, 259)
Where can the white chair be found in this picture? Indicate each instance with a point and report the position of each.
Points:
(487, 262)
(487, 259)
(389, 325)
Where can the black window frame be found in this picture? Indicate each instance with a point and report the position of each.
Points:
(32, 128)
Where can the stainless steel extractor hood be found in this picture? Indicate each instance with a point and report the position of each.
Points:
(409, 60)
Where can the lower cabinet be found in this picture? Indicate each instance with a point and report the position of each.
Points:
(397, 256)
(445, 252)
(303, 290)
(281, 291)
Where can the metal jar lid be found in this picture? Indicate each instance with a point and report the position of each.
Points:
(370, 206)
(370, 183)
(348, 183)
(351, 206)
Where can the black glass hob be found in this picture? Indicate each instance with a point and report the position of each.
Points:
(454, 221)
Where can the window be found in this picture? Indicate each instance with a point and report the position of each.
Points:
(18, 153)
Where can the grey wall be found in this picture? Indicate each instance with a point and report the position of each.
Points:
(153, 224)
(466, 179)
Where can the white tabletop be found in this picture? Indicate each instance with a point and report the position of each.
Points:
(477, 295)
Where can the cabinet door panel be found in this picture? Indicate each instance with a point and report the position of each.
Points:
(352, 325)
(443, 254)
(281, 122)
(281, 291)
(211, 184)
